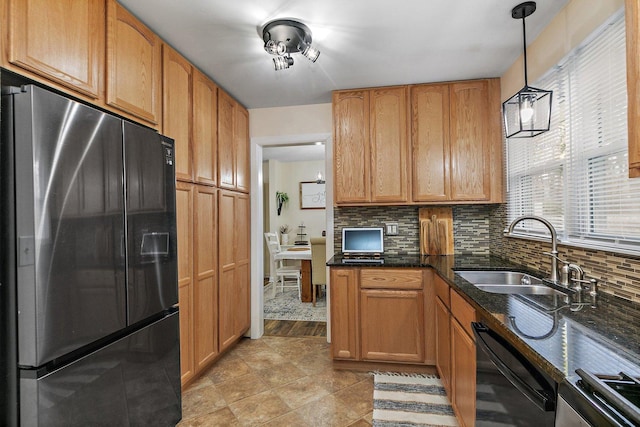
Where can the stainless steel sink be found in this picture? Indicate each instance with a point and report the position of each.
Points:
(507, 282)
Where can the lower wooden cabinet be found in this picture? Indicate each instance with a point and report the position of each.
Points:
(443, 344)
(233, 250)
(344, 313)
(184, 228)
(463, 374)
(378, 315)
(213, 273)
(456, 351)
(392, 325)
(205, 288)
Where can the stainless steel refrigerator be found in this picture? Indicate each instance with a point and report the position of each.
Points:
(88, 281)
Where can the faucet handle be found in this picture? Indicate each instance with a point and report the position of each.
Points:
(552, 255)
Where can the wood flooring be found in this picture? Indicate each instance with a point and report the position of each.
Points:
(294, 328)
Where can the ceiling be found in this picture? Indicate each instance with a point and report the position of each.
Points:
(363, 43)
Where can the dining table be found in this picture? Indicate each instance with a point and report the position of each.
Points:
(302, 254)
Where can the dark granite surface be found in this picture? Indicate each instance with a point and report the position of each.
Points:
(554, 333)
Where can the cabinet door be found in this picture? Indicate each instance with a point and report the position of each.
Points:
(344, 315)
(177, 108)
(351, 147)
(205, 290)
(241, 228)
(443, 344)
(134, 65)
(226, 151)
(470, 147)
(234, 266)
(227, 268)
(241, 145)
(60, 40)
(463, 375)
(389, 146)
(205, 129)
(429, 317)
(632, 17)
(392, 325)
(184, 228)
(430, 143)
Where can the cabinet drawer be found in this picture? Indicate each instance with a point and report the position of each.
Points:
(463, 312)
(442, 290)
(391, 278)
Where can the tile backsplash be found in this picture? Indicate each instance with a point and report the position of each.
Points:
(479, 229)
(471, 226)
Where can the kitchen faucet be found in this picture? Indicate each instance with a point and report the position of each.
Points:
(578, 284)
(554, 241)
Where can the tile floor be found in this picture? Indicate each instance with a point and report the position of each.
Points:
(279, 381)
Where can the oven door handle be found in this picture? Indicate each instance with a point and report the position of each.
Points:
(542, 399)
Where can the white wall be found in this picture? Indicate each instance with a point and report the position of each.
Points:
(297, 120)
(564, 33)
(286, 177)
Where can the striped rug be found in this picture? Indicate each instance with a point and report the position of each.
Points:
(404, 400)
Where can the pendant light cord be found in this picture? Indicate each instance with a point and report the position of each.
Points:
(524, 42)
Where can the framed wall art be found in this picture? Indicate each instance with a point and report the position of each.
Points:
(312, 195)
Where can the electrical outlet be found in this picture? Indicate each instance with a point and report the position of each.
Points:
(391, 228)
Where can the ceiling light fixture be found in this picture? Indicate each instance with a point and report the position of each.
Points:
(528, 112)
(286, 36)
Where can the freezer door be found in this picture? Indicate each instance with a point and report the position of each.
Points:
(151, 222)
(132, 382)
(69, 225)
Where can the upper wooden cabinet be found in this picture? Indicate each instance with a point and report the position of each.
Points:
(233, 144)
(205, 129)
(632, 16)
(431, 155)
(455, 151)
(469, 141)
(456, 142)
(371, 146)
(60, 40)
(177, 108)
(241, 138)
(351, 146)
(134, 65)
(389, 145)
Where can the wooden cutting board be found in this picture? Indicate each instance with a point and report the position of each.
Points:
(436, 231)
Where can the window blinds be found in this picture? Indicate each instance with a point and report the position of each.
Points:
(576, 175)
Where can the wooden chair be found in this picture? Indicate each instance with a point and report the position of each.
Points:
(282, 271)
(318, 264)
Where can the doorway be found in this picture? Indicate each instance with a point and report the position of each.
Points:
(258, 201)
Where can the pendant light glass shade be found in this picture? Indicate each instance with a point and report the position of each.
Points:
(528, 112)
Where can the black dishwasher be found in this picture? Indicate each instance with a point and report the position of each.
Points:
(510, 390)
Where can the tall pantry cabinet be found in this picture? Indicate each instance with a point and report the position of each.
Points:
(213, 226)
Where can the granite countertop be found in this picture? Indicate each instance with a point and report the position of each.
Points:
(555, 334)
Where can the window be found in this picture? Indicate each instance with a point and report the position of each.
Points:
(576, 175)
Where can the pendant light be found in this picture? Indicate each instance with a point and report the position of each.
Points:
(528, 112)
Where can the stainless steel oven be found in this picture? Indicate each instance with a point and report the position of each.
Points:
(510, 390)
(599, 400)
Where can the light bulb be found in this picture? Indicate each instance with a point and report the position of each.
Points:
(275, 48)
(526, 111)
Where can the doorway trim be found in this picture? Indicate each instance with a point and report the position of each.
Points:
(257, 229)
